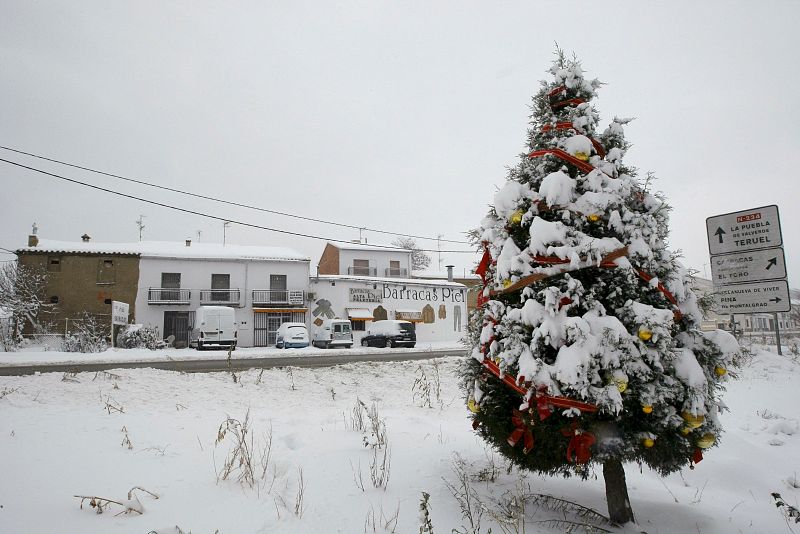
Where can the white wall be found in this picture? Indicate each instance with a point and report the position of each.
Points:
(393, 297)
(246, 275)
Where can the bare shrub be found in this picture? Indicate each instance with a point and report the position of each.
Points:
(87, 335)
(248, 458)
(374, 522)
(427, 389)
(380, 467)
(126, 440)
(425, 514)
(99, 504)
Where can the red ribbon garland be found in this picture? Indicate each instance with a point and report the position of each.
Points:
(521, 431)
(564, 156)
(569, 126)
(541, 395)
(579, 444)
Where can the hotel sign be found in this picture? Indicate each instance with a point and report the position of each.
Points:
(361, 294)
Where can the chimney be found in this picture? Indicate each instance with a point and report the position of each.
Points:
(86, 238)
(449, 272)
(188, 242)
(33, 240)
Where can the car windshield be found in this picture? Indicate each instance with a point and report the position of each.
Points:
(407, 327)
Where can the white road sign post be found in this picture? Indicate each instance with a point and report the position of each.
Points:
(747, 263)
(119, 315)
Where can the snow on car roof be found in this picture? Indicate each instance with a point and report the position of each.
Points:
(170, 249)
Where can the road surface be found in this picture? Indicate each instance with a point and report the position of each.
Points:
(222, 364)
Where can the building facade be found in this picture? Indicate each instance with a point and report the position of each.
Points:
(82, 278)
(266, 286)
(367, 283)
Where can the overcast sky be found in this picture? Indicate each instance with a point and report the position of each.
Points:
(400, 116)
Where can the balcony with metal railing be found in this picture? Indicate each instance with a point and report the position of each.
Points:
(278, 297)
(165, 295)
(362, 271)
(220, 297)
(396, 272)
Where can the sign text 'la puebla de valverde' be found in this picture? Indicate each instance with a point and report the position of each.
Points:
(747, 262)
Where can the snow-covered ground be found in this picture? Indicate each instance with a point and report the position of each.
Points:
(105, 433)
(35, 355)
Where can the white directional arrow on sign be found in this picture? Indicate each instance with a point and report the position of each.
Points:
(758, 297)
(755, 266)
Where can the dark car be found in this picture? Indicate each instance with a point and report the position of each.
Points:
(390, 334)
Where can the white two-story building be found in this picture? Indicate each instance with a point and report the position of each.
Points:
(366, 283)
(267, 286)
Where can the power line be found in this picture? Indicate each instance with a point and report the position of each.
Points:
(231, 203)
(7, 251)
(207, 215)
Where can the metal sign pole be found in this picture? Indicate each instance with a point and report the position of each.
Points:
(778, 334)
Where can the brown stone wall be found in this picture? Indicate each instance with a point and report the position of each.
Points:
(329, 262)
(83, 282)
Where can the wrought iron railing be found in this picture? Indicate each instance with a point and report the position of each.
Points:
(164, 295)
(220, 296)
(362, 271)
(264, 297)
(396, 272)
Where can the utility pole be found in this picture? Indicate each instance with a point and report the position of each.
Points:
(140, 224)
(225, 226)
(360, 240)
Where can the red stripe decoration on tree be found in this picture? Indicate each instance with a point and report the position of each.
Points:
(564, 156)
(569, 126)
(540, 396)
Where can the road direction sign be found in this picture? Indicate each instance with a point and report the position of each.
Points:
(758, 297)
(741, 231)
(767, 264)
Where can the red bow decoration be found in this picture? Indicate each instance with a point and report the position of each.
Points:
(521, 431)
(697, 457)
(579, 444)
(542, 403)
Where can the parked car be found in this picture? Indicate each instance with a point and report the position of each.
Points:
(390, 334)
(332, 333)
(214, 327)
(292, 336)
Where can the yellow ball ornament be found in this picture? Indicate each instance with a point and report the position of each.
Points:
(645, 334)
(621, 383)
(706, 440)
(647, 408)
(648, 442)
(516, 217)
(593, 217)
(693, 421)
(506, 283)
(685, 430)
(583, 156)
(473, 406)
(720, 371)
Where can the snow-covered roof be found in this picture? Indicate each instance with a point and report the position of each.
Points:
(170, 249)
(372, 248)
(403, 281)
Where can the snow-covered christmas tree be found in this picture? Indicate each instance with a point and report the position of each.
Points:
(586, 348)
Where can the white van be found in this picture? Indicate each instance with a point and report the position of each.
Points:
(291, 336)
(333, 333)
(214, 326)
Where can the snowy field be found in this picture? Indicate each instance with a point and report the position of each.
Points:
(103, 434)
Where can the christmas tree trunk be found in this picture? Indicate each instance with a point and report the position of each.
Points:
(619, 506)
(586, 346)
